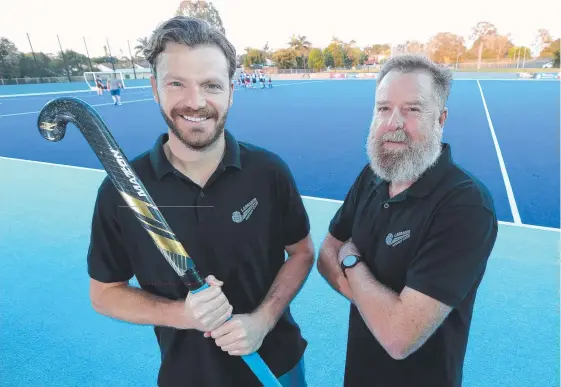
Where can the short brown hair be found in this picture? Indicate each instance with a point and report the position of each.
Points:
(191, 32)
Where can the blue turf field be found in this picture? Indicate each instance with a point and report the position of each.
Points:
(50, 336)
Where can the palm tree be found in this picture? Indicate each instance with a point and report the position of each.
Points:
(301, 45)
(139, 48)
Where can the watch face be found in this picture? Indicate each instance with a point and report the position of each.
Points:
(349, 260)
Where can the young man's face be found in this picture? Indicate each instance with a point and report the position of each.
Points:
(193, 88)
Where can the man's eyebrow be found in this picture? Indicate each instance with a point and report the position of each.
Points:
(417, 102)
(210, 79)
(169, 76)
(213, 80)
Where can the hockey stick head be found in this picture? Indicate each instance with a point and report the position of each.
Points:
(56, 114)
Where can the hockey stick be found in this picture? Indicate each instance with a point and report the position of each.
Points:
(52, 122)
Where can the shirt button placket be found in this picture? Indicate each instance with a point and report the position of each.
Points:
(200, 215)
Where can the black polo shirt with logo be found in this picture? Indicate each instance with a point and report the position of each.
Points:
(235, 228)
(434, 237)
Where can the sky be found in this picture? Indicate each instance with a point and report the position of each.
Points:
(253, 23)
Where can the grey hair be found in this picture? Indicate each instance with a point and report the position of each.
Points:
(441, 76)
(191, 32)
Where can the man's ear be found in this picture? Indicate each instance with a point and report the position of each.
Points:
(232, 86)
(443, 117)
(154, 84)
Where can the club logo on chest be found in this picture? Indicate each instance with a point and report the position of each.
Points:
(395, 239)
(246, 211)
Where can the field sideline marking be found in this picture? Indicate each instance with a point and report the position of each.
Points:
(64, 92)
(543, 228)
(100, 104)
(151, 99)
(508, 186)
(147, 87)
(298, 82)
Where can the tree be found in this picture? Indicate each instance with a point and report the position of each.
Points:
(542, 40)
(519, 52)
(415, 47)
(139, 48)
(446, 47)
(201, 10)
(492, 47)
(267, 51)
(253, 56)
(45, 66)
(354, 56)
(483, 29)
(301, 46)
(328, 60)
(375, 51)
(480, 35)
(77, 63)
(556, 59)
(285, 58)
(550, 49)
(337, 53)
(501, 45)
(315, 59)
(9, 58)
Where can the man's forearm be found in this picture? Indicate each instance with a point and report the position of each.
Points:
(376, 303)
(137, 306)
(331, 271)
(288, 282)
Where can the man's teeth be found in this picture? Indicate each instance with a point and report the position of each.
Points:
(194, 119)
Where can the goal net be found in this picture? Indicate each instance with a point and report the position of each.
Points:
(104, 76)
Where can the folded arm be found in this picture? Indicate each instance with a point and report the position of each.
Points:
(329, 268)
(401, 322)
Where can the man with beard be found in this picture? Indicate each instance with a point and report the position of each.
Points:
(409, 245)
(236, 209)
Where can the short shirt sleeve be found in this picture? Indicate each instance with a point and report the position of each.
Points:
(454, 255)
(107, 256)
(295, 220)
(341, 224)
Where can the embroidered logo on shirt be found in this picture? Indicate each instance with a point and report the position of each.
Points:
(246, 211)
(395, 239)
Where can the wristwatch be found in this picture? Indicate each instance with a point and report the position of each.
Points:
(348, 262)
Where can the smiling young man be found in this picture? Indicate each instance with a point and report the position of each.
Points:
(236, 209)
(409, 245)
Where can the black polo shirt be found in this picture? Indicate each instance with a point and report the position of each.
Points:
(235, 228)
(434, 237)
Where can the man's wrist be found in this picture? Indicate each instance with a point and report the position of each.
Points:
(173, 314)
(346, 250)
(265, 318)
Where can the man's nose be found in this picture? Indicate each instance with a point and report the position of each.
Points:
(194, 98)
(396, 120)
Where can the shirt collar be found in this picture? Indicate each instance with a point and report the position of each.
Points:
(162, 166)
(431, 177)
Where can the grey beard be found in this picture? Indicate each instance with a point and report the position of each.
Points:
(405, 165)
